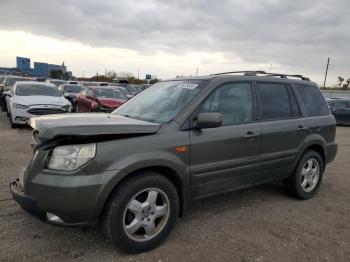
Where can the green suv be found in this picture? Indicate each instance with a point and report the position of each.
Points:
(136, 170)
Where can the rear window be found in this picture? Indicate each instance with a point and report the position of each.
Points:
(313, 101)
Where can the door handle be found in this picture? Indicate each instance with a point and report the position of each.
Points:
(302, 129)
(250, 135)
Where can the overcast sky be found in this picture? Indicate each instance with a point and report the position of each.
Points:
(169, 38)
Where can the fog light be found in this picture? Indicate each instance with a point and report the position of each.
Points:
(53, 218)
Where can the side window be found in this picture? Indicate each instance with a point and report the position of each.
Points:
(341, 104)
(274, 100)
(313, 101)
(83, 93)
(234, 101)
(90, 93)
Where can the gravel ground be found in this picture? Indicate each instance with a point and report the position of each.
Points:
(259, 224)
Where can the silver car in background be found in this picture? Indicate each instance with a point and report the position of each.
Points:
(28, 99)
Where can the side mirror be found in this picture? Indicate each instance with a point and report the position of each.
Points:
(208, 120)
(7, 93)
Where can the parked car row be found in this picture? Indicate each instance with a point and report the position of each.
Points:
(25, 97)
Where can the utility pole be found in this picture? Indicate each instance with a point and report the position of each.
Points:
(325, 75)
(197, 71)
(138, 74)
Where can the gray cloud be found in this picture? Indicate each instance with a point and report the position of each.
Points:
(297, 34)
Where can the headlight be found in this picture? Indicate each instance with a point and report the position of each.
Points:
(71, 157)
(67, 108)
(18, 106)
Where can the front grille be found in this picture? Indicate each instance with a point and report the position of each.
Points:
(45, 111)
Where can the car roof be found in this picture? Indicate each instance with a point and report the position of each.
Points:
(249, 76)
(35, 83)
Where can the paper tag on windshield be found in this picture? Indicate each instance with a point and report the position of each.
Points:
(187, 85)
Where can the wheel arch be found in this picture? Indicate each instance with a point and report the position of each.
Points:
(165, 171)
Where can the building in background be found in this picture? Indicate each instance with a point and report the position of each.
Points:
(41, 69)
(23, 64)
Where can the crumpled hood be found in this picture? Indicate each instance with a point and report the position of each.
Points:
(41, 100)
(89, 124)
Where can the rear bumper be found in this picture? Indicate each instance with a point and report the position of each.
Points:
(332, 150)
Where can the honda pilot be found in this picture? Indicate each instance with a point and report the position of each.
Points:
(136, 170)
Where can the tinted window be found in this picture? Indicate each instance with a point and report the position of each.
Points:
(293, 102)
(313, 100)
(10, 81)
(341, 104)
(37, 90)
(110, 93)
(274, 99)
(90, 93)
(233, 101)
(72, 88)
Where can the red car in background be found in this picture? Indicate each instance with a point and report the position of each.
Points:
(99, 99)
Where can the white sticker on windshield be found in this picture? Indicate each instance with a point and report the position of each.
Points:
(187, 85)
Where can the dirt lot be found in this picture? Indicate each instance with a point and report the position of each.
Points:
(259, 224)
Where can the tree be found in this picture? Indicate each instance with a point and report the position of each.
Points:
(56, 74)
(340, 81)
(111, 74)
(347, 84)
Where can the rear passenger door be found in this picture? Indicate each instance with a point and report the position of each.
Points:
(282, 129)
(226, 157)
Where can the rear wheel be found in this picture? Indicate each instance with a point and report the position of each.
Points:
(307, 178)
(141, 212)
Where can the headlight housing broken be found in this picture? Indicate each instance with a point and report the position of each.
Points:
(71, 157)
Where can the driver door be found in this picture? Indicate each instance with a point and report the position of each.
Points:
(227, 157)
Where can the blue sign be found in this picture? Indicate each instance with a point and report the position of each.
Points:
(148, 77)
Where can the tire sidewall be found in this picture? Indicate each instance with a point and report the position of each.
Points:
(121, 200)
(297, 178)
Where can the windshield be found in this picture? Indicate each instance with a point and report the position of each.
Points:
(131, 88)
(10, 81)
(123, 91)
(37, 90)
(110, 93)
(161, 102)
(57, 82)
(72, 88)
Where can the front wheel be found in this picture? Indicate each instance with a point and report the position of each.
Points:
(141, 212)
(306, 180)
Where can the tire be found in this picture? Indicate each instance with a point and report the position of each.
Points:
(303, 183)
(118, 217)
(13, 125)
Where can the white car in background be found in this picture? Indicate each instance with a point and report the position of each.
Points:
(29, 99)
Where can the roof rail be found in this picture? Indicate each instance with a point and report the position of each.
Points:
(247, 73)
(286, 76)
(255, 73)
